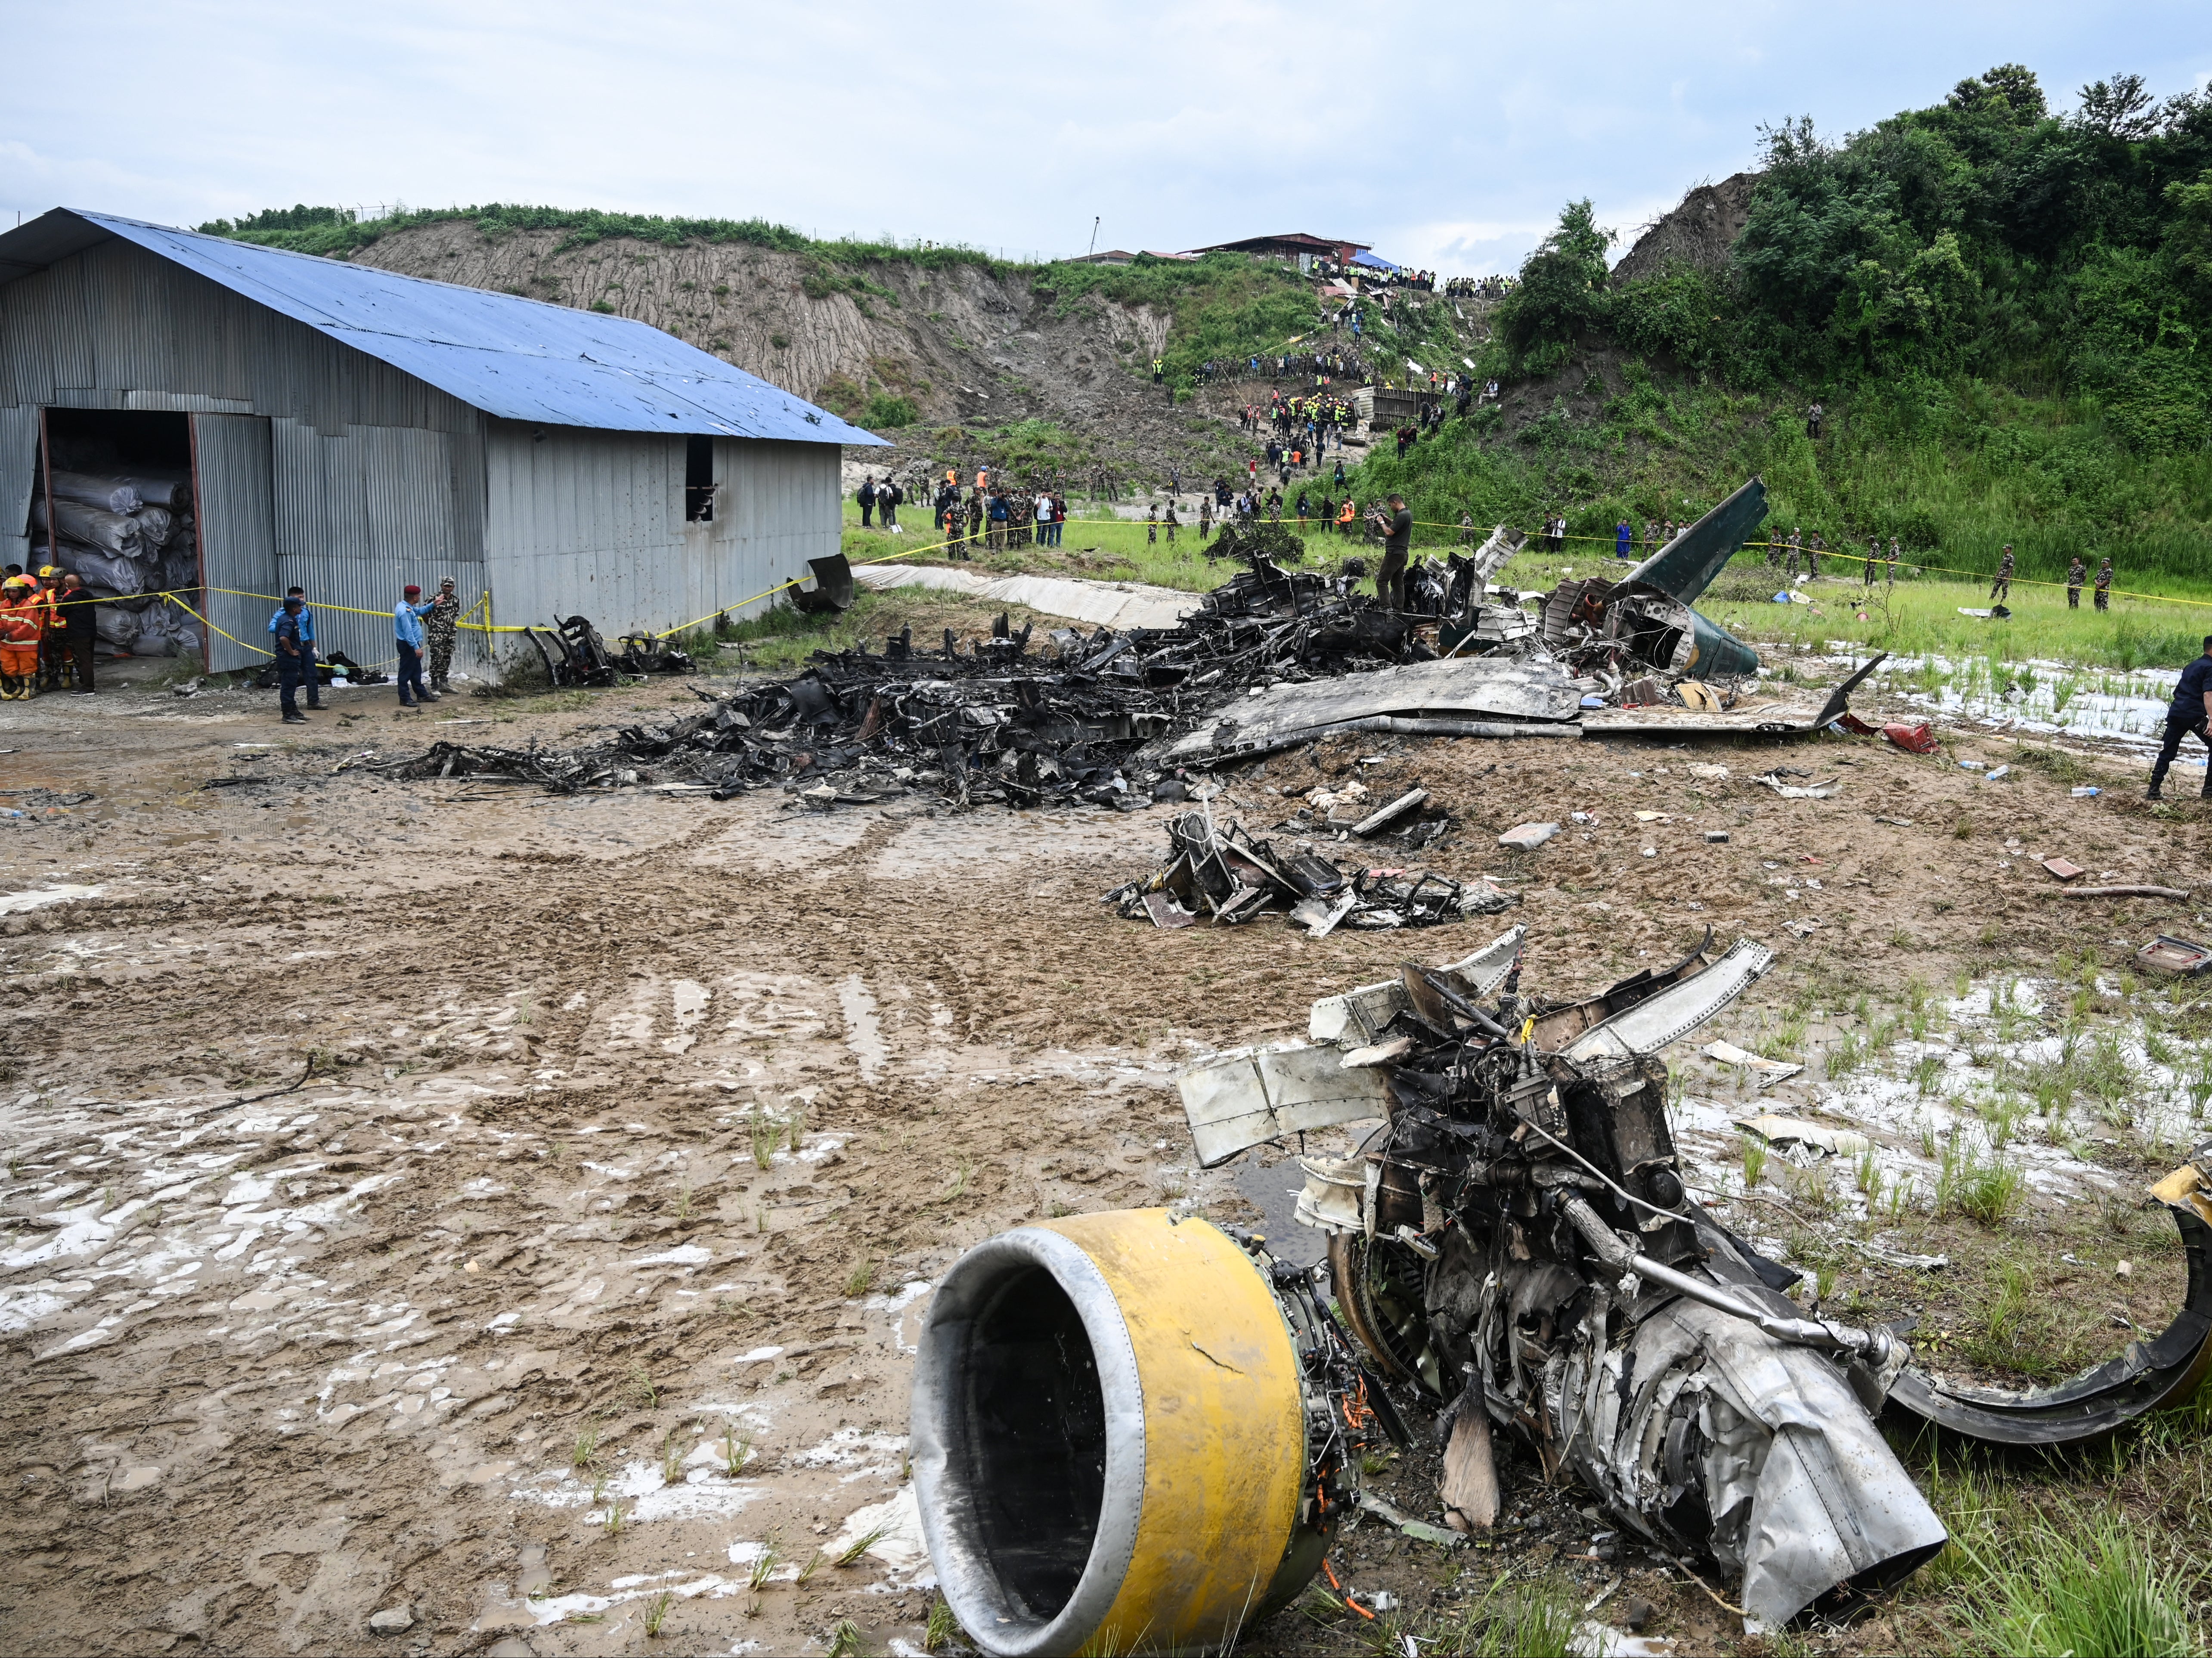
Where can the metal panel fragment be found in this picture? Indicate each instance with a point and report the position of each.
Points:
(1675, 1012)
(1484, 691)
(1238, 1100)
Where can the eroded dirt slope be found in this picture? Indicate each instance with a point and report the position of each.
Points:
(961, 343)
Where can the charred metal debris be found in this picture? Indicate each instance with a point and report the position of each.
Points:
(1517, 1250)
(1013, 718)
(1226, 875)
(574, 655)
(1276, 658)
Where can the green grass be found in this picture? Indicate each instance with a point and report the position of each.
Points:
(337, 233)
(1095, 545)
(942, 1629)
(2068, 1588)
(1955, 470)
(1224, 306)
(1510, 1619)
(1987, 1190)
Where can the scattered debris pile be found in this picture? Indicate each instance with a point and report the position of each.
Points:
(336, 668)
(1010, 719)
(1268, 539)
(574, 655)
(1275, 658)
(1640, 637)
(1518, 1246)
(1228, 875)
(1517, 1249)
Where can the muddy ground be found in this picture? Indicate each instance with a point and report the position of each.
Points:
(512, 1214)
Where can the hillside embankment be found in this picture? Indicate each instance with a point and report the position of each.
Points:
(961, 342)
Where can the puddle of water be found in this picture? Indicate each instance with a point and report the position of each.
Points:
(898, 1542)
(689, 999)
(863, 1030)
(2048, 699)
(1275, 1188)
(1969, 1088)
(16, 904)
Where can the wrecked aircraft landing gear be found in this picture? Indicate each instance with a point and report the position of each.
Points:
(1131, 1434)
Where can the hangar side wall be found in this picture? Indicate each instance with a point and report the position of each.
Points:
(587, 523)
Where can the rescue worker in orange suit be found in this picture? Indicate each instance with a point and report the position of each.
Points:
(22, 622)
(74, 603)
(53, 632)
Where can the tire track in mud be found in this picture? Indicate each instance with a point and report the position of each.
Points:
(649, 920)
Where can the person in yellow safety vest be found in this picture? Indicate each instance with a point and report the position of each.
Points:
(20, 625)
(53, 631)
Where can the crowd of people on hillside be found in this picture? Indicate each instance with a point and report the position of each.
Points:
(1323, 368)
(996, 516)
(1318, 420)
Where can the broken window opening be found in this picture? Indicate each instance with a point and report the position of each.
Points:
(699, 480)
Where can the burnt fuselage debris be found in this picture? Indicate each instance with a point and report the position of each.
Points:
(1275, 658)
(1518, 1246)
(1226, 875)
(1016, 718)
(1623, 632)
(573, 655)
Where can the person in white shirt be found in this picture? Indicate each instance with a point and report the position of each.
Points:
(1045, 526)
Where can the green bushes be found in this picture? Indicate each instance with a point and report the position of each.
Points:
(885, 410)
(2004, 311)
(1224, 306)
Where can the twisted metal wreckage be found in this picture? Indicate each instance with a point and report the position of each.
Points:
(1138, 1431)
(1275, 658)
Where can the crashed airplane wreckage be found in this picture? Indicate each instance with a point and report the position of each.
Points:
(1134, 1430)
(1275, 658)
(1228, 875)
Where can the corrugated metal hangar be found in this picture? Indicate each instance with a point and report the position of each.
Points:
(350, 431)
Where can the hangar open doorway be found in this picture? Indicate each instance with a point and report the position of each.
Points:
(114, 496)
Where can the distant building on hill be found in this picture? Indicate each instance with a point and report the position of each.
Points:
(1292, 246)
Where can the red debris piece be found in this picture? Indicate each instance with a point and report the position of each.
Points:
(1913, 739)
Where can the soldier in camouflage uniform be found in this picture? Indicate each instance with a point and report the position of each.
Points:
(442, 627)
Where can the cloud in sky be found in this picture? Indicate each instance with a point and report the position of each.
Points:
(1449, 136)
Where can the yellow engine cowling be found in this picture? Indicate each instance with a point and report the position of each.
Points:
(1109, 1439)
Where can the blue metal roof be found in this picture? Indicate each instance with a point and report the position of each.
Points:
(1371, 262)
(516, 358)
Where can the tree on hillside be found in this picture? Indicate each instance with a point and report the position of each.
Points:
(1562, 293)
(2010, 90)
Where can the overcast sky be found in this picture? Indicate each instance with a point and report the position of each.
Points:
(1447, 135)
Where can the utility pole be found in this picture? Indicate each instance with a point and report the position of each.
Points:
(1093, 248)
